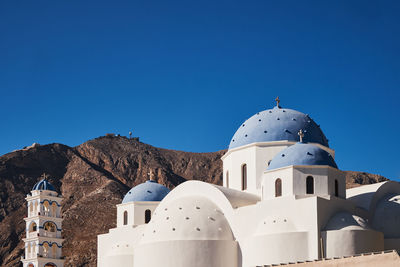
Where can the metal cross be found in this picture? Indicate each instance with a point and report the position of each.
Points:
(277, 101)
(44, 176)
(151, 176)
(301, 134)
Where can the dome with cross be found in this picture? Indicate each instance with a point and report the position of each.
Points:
(147, 191)
(302, 154)
(278, 124)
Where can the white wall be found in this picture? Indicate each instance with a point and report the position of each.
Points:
(256, 156)
(193, 253)
(136, 212)
(341, 243)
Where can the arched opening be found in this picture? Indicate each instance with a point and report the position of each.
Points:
(54, 209)
(50, 264)
(310, 185)
(31, 265)
(31, 208)
(227, 178)
(278, 187)
(46, 207)
(46, 249)
(54, 250)
(125, 217)
(35, 208)
(50, 227)
(32, 227)
(244, 176)
(147, 216)
(336, 188)
(29, 248)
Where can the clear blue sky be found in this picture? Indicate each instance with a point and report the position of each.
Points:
(185, 74)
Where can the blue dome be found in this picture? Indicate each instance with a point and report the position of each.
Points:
(148, 191)
(43, 185)
(302, 154)
(278, 124)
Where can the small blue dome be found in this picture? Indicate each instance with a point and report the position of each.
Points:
(43, 185)
(148, 191)
(302, 154)
(278, 124)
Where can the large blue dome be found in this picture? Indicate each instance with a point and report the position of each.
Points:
(43, 185)
(302, 154)
(278, 124)
(148, 191)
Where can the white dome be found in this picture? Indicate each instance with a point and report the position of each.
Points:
(387, 216)
(275, 224)
(187, 218)
(346, 221)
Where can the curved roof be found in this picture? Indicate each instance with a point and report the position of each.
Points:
(345, 221)
(147, 191)
(188, 218)
(278, 124)
(302, 154)
(386, 216)
(43, 185)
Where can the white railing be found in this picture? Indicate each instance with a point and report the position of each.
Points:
(31, 234)
(50, 234)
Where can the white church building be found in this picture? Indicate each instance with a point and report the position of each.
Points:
(283, 200)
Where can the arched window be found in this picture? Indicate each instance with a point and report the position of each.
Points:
(46, 249)
(54, 250)
(125, 217)
(278, 187)
(32, 227)
(227, 178)
(336, 188)
(49, 264)
(147, 216)
(31, 265)
(46, 207)
(244, 176)
(309, 185)
(54, 209)
(50, 227)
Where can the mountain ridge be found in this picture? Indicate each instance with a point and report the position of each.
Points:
(93, 177)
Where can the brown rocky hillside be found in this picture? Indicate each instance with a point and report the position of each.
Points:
(93, 177)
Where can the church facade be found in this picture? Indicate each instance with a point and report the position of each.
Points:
(283, 200)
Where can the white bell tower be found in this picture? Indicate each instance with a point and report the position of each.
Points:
(43, 242)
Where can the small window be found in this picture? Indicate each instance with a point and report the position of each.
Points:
(50, 227)
(244, 176)
(278, 187)
(336, 188)
(309, 185)
(125, 217)
(32, 227)
(147, 216)
(227, 178)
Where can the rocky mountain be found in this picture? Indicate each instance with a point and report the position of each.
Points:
(93, 177)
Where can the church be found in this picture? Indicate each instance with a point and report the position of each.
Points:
(283, 200)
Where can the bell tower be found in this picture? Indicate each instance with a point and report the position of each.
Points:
(43, 242)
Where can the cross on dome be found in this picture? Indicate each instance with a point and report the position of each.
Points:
(44, 176)
(151, 176)
(277, 101)
(301, 134)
